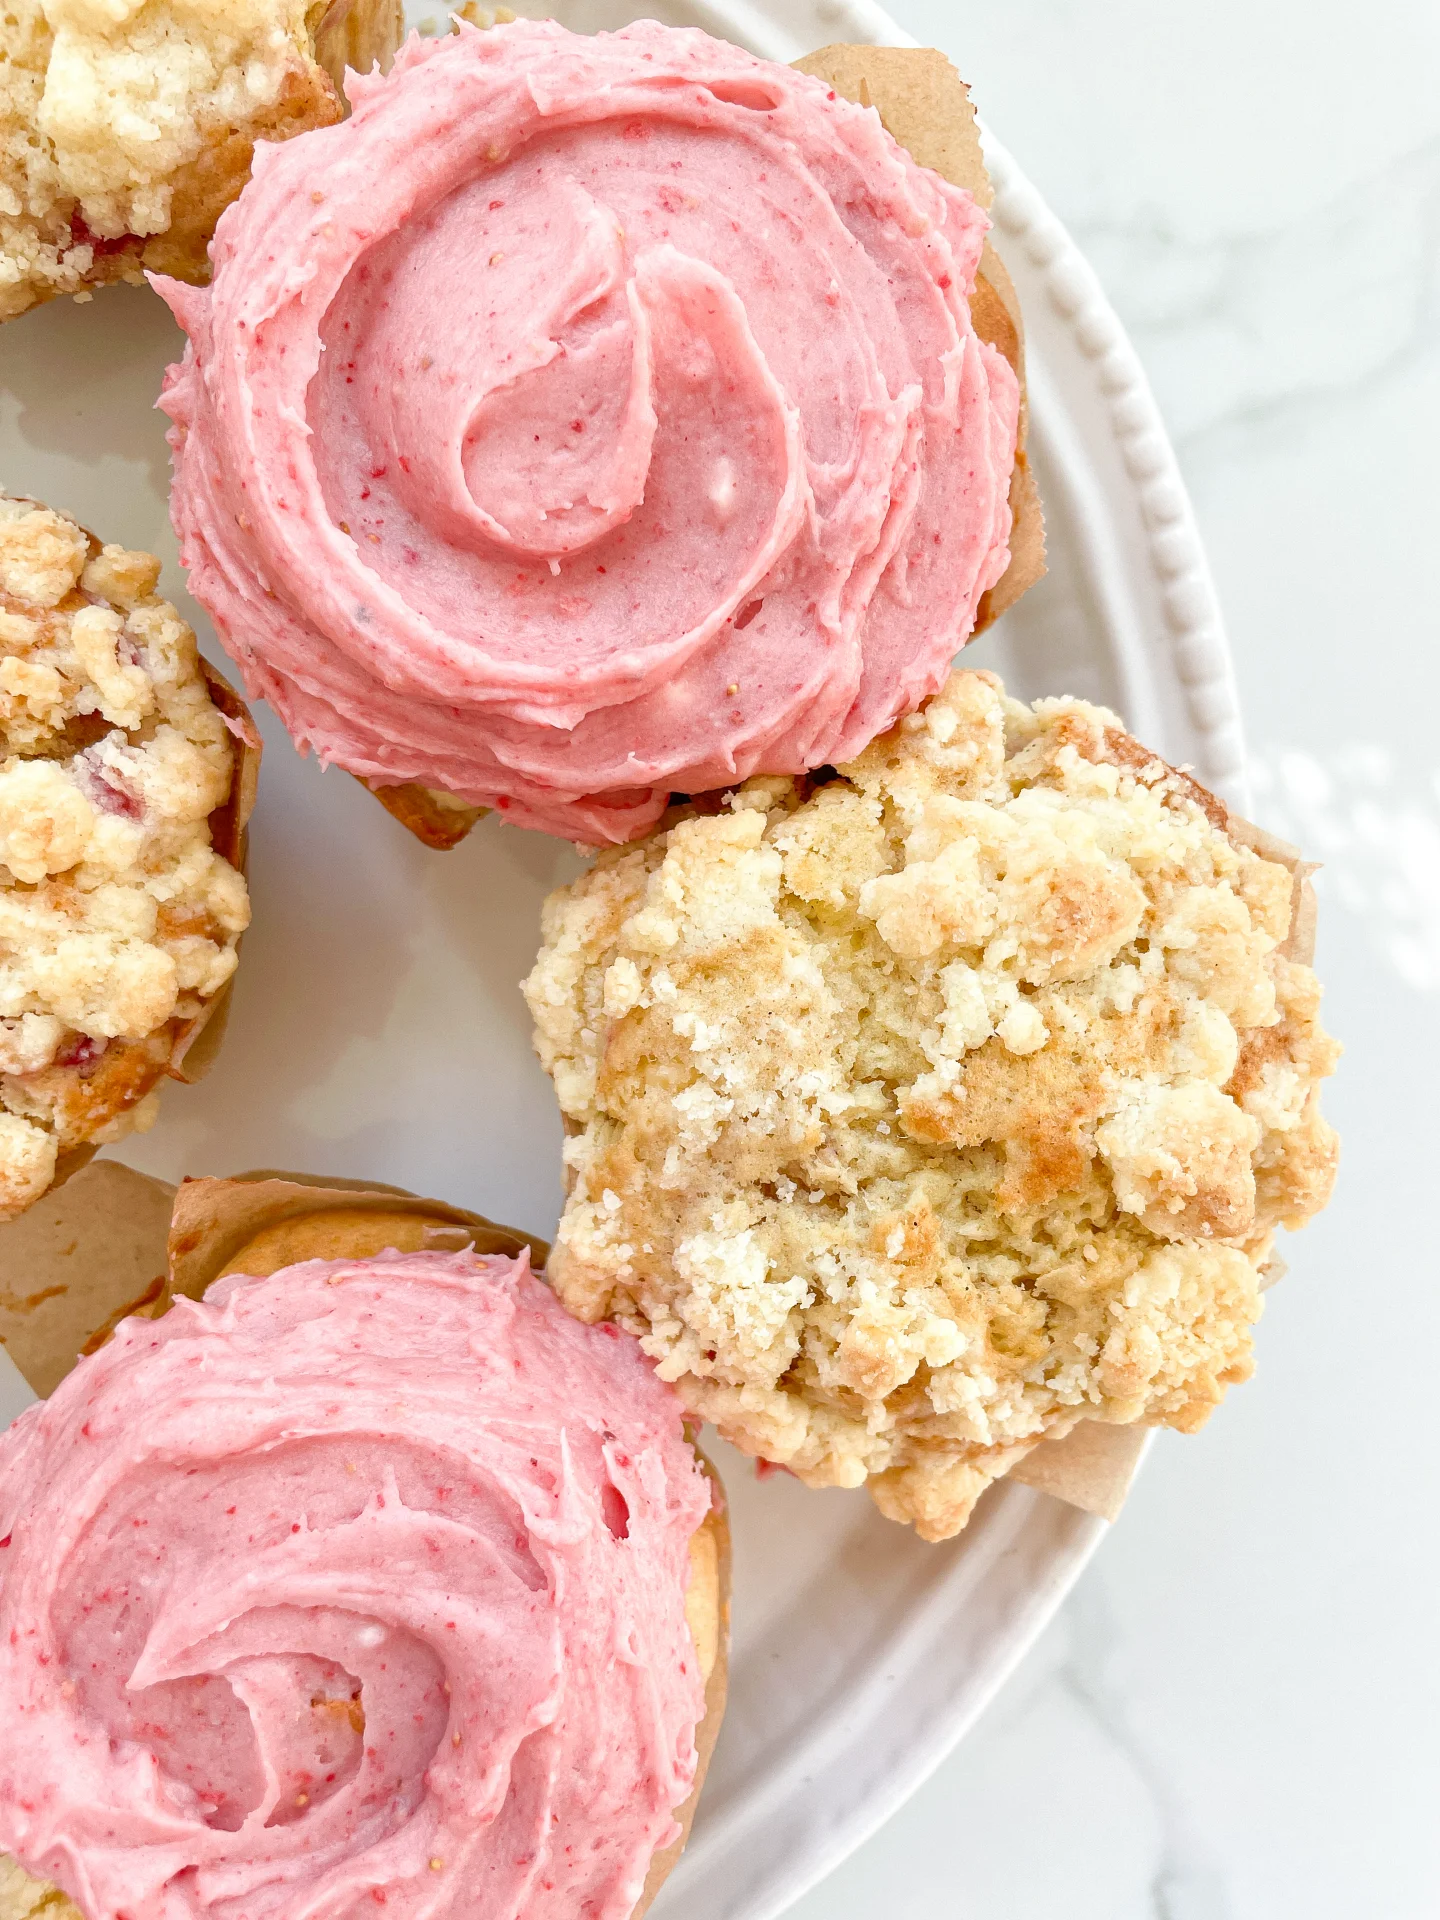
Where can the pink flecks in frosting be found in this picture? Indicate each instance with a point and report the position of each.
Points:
(362, 1582)
(588, 418)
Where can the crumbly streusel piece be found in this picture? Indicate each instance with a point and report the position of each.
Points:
(919, 1114)
(118, 920)
(127, 126)
(24, 1898)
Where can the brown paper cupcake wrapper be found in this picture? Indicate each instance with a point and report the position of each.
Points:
(925, 106)
(198, 1040)
(711, 1543)
(359, 34)
(439, 819)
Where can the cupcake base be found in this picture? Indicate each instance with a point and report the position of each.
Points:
(259, 1223)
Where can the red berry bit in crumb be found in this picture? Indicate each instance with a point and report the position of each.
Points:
(119, 918)
(980, 1075)
(104, 791)
(149, 112)
(101, 245)
(80, 1051)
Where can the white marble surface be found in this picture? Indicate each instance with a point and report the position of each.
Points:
(1234, 1718)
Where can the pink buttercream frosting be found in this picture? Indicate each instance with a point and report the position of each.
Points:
(362, 1585)
(587, 418)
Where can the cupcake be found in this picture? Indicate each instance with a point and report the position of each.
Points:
(125, 130)
(925, 1109)
(125, 785)
(387, 1581)
(591, 418)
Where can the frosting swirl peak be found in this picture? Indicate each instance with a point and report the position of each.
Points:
(591, 417)
(364, 1582)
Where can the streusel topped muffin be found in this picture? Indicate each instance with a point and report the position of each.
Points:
(118, 919)
(919, 1113)
(127, 126)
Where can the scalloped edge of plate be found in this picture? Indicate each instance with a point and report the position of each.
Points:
(1041, 1547)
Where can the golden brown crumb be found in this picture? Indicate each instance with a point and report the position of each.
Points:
(479, 16)
(127, 126)
(22, 1898)
(918, 1114)
(118, 920)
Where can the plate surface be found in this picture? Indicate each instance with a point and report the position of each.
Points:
(378, 1031)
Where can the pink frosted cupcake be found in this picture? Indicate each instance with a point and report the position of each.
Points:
(589, 418)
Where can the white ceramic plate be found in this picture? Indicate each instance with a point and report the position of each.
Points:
(378, 1030)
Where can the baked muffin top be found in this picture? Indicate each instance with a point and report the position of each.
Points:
(919, 1112)
(118, 920)
(118, 116)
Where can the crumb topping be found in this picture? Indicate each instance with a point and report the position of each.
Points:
(919, 1113)
(106, 110)
(118, 920)
(25, 1898)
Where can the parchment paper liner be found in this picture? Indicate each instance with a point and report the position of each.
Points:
(117, 1242)
(358, 34)
(925, 106)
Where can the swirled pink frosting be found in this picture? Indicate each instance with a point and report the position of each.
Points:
(360, 1586)
(587, 418)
